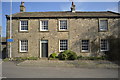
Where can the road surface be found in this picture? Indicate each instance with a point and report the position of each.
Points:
(10, 70)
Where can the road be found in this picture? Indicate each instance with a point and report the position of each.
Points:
(10, 70)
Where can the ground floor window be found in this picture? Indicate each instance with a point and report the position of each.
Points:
(104, 45)
(63, 45)
(85, 46)
(23, 45)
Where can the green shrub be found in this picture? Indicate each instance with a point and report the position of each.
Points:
(24, 58)
(67, 54)
(18, 58)
(32, 58)
(53, 55)
(104, 57)
(71, 56)
(79, 57)
(62, 56)
(6, 59)
(93, 58)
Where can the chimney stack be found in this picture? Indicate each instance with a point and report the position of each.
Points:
(22, 7)
(73, 7)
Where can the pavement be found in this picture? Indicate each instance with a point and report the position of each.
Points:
(12, 70)
(70, 64)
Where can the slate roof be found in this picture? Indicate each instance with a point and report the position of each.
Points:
(64, 14)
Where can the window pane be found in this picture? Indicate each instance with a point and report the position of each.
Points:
(85, 45)
(63, 45)
(24, 25)
(24, 45)
(63, 24)
(44, 25)
(104, 45)
(103, 25)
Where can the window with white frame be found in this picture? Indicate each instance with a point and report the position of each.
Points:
(104, 46)
(63, 44)
(63, 25)
(103, 25)
(23, 45)
(44, 25)
(23, 25)
(85, 46)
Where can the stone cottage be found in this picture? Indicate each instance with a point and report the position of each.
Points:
(40, 34)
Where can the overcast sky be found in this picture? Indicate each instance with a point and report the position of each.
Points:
(55, 6)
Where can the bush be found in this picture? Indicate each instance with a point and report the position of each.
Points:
(24, 58)
(69, 55)
(92, 58)
(32, 58)
(79, 57)
(19, 58)
(62, 56)
(6, 59)
(104, 57)
(53, 56)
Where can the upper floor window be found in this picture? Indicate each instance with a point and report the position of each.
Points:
(85, 45)
(104, 45)
(23, 25)
(23, 45)
(63, 45)
(103, 25)
(63, 25)
(44, 25)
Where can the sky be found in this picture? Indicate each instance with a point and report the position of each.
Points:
(54, 6)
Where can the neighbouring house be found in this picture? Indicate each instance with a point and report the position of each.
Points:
(2, 45)
(40, 34)
(3, 48)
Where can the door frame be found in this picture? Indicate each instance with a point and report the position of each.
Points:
(41, 47)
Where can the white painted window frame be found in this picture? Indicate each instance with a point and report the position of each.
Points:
(59, 45)
(99, 24)
(87, 45)
(41, 25)
(59, 25)
(20, 47)
(107, 46)
(20, 25)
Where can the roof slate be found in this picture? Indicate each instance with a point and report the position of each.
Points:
(65, 14)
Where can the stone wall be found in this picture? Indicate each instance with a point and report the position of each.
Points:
(78, 29)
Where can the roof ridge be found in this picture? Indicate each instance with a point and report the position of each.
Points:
(63, 11)
(114, 12)
(65, 14)
(69, 11)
